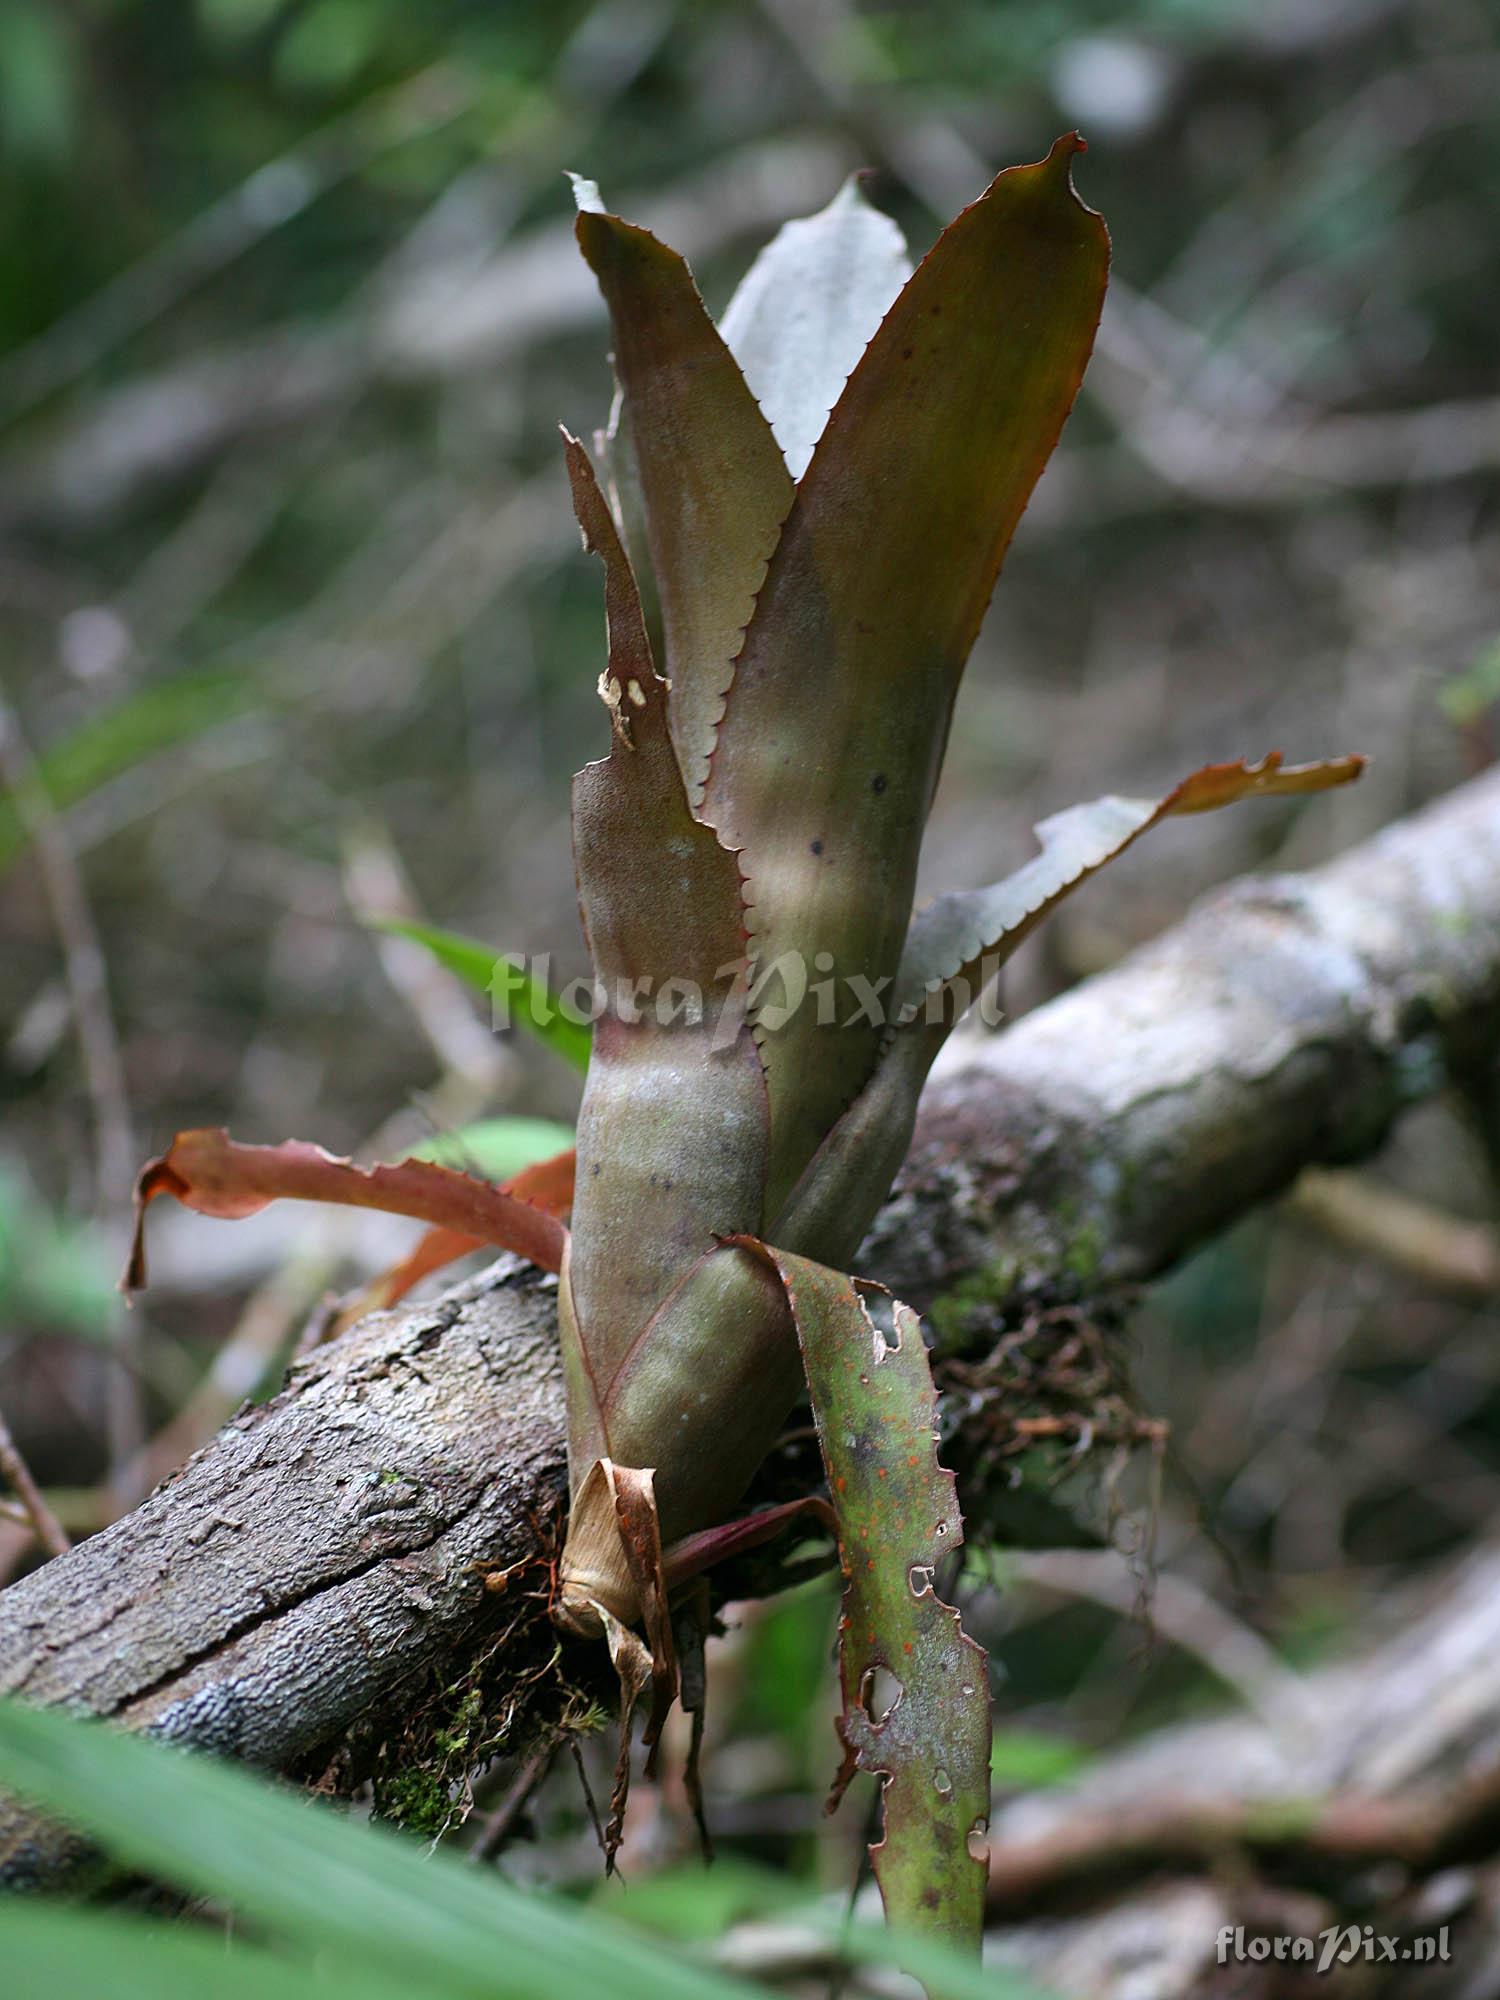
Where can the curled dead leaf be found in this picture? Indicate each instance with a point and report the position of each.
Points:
(208, 1171)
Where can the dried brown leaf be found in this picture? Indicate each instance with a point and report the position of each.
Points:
(208, 1171)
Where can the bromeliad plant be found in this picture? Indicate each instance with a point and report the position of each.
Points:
(790, 596)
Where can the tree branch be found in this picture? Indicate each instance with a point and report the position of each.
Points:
(322, 1550)
(1285, 1023)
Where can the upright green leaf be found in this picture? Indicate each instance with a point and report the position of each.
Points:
(715, 487)
(836, 721)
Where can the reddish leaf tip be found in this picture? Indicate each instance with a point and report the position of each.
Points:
(1058, 165)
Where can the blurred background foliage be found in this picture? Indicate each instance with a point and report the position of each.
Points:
(296, 634)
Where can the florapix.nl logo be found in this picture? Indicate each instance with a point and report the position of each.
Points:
(768, 993)
(1338, 1945)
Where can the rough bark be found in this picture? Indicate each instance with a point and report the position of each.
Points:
(320, 1551)
(1286, 1022)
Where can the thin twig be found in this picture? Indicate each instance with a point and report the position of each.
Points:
(104, 1072)
(43, 1522)
(588, 1791)
(1350, 1829)
(82, 1510)
(83, 956)
(1411, 1236)
(501, 1823)
(1186, 1615)
(377, 888)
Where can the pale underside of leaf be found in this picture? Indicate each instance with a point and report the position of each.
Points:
(964, 937)
(714, 485)
(673, 1131)
(614, 456)
(209, 1172)
(837, 716)
(926, 1731)
(806, 310)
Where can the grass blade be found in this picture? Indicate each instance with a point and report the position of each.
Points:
(50, 1949)
(530, 1005)
(360, 1891)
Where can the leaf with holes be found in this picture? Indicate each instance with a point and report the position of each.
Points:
(915, 1687)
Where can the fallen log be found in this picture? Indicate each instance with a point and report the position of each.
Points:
(330, 1546)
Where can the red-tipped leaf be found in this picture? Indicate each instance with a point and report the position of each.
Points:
(968, 934)
(836, 720)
